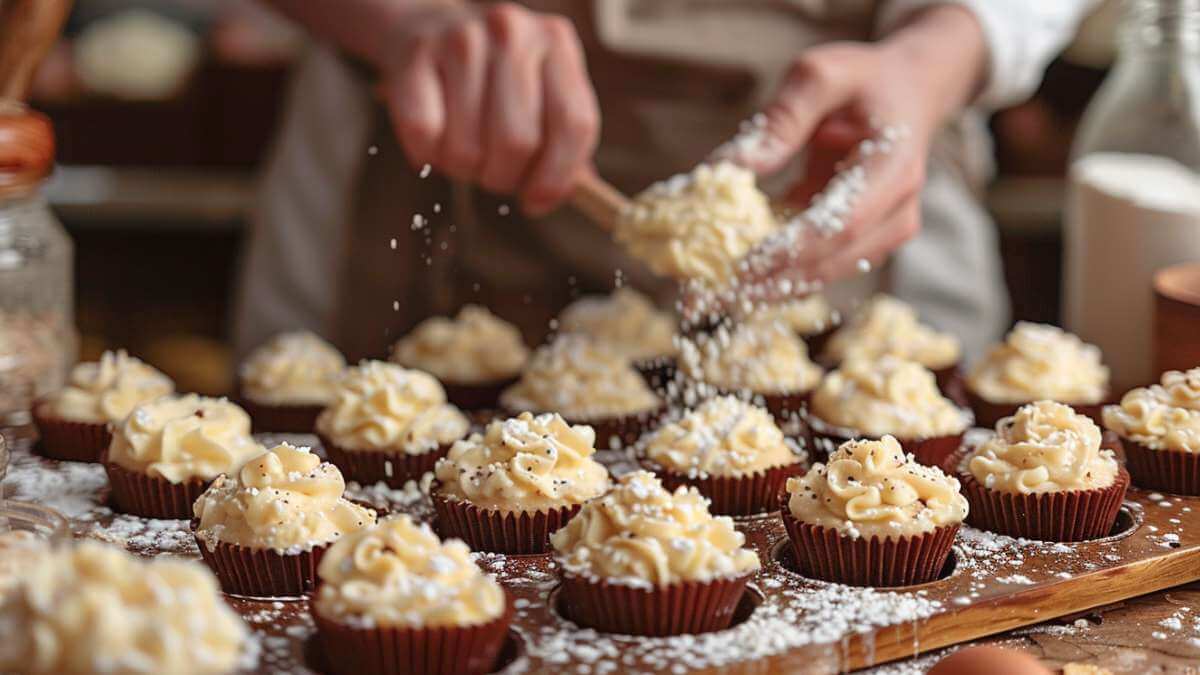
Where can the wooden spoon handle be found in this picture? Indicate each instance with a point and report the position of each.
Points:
(28, 28)
(597, 199)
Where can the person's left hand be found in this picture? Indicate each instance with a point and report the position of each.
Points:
(875, 106)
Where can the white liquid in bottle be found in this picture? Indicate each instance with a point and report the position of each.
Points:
(1129, 215)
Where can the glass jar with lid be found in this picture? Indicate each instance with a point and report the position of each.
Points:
(1134, 201)
(37, 329)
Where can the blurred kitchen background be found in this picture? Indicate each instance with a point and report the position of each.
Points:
(163, 109)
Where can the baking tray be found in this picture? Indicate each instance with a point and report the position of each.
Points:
(786, 623)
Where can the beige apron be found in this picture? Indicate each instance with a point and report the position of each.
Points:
(674, 78)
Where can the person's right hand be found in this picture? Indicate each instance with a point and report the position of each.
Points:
(497, 95)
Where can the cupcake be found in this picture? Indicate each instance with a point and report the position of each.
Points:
(1159, 428)
(644, 561)
(286, 382)
(729, 450)
(393, 600)
(74, 423)
(872, 516)
(1044, 476)
(887, 396)
(264, 528)
(167, 451)
(94, 608)
(388, 424)
(811, 318)
(888, 326)
(1037, 362)
(507, 490)
(588, 383)
(764, 359)
(475, 355)
(630, 324)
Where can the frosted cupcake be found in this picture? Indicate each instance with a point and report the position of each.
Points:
(1159, 427)
(475, 355)
(73, 424)
(812, 318)
(264, 528)
(886, 326)
(286, 382)
(886, 397)
(764, 359)
(93, 608)
(872, 516)
(394, 599)
(388, 424)
(1037, 362)
(587, 383)
(167, 451)
(1044, 476)
(630, 324)
(508, 489)
(644, 561)
(729, 450)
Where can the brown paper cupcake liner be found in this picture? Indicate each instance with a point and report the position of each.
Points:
(816, 342)
(261, 573)
(987, 414)
(686, 607)
(658, 371)
(395, 468)
(68, 440)
(825, 553)
(825, 438)
(139, 494)
(1076, 515)
(469, 397)
(451, 650)
(1174, 471)
(283, 419)
(522, 532)
(747, 495)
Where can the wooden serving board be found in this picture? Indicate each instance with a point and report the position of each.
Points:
(786, 623)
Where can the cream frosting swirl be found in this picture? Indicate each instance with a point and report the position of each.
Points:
(184, 437)
(297, 368)
(398, 574)
(106, 391)
(888, 326)
(525, 463)
(761, 357)
(286, 500)
(1039, 361)
(1165, 416)
(472, 348)
(581, 379)
(641, 534)
(887, 396)
(626, 321)
(93, 608)
(805, 316)
(870, 488)
(698, 225)
(382, 406)
(722, 437)
(1045, 447)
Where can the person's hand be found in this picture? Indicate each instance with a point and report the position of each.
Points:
(497, 95)
(836, 97)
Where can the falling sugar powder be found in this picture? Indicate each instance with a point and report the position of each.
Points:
(425, 171)
(503, 209)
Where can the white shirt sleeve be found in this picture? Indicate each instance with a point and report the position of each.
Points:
(1022, 37)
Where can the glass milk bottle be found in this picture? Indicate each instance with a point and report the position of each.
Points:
(1134, 196)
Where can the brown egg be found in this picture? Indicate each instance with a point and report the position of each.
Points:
(987, 660)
